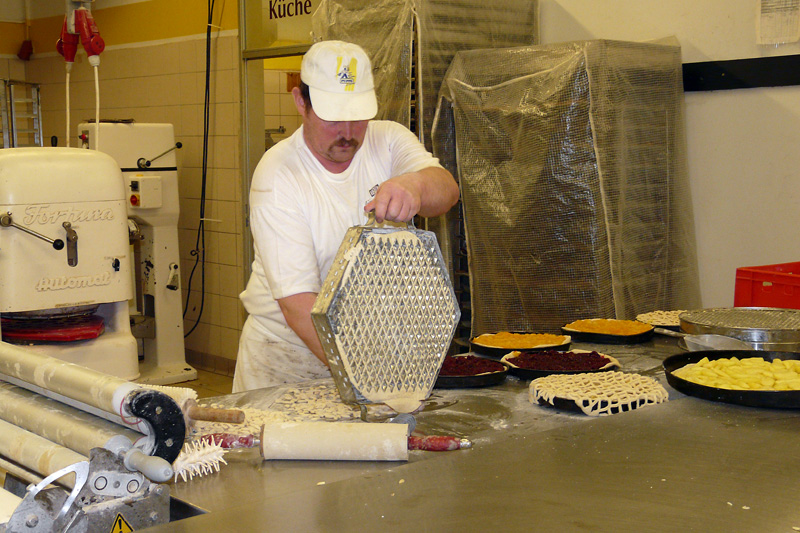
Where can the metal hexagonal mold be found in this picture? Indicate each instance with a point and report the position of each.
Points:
(386, 315)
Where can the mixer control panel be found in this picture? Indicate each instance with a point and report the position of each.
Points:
(144, 191)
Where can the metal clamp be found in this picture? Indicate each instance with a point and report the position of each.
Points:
(72, 245)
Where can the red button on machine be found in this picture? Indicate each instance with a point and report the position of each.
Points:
(134, 199)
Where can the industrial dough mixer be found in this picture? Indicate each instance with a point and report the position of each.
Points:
(146, 155)
(65, 277)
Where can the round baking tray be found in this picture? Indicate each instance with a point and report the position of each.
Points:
(606, 338)
(498, 353)
(766, 328)
(750, 398)
(526, 373)
(468, 382)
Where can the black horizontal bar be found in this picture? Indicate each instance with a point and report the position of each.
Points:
(779, 71)
(149, 169)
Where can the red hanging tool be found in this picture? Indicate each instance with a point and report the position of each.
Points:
(78, 26)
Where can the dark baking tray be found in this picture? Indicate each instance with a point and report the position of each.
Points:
(773, 399)
(671, 327)
(605, 338)
(498, 353)
(470, 382)
(526, 373)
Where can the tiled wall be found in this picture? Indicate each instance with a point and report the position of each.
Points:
(279, 108)
(12, 69)
(164, 82)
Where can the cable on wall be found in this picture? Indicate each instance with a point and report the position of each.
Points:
(200, 242)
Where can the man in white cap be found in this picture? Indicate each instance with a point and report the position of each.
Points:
(307, 190)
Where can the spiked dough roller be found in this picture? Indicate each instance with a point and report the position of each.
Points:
(386, 315)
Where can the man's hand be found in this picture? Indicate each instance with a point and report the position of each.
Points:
(397, 199)
(429, 192)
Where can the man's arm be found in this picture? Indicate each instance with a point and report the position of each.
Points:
(297, 311)
(429, 192)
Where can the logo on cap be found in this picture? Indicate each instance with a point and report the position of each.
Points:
(347, 73)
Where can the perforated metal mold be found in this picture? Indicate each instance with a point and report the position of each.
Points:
(386, 315)
(765, 328)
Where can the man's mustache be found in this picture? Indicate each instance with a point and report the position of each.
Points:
(344, 143)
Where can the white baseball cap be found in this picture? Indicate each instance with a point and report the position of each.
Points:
(339, 78)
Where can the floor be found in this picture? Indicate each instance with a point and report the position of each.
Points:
(208, 384)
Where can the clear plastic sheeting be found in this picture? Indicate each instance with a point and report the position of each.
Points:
(411, 44)
(572, 165)
(449, 26)
(445, 27)
(383, 28)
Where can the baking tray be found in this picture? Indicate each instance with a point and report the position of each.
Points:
(498, 353)
(765, 328)
(526, 373)
(750, 398)
(471, 382)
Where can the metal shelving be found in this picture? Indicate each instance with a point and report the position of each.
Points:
(20, 114)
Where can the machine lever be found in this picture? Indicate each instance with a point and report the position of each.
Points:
(6, 221)
(145, 163)
(172, 281)
(72, 245)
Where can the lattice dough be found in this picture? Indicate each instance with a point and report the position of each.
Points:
(599, 393)
(661, 318)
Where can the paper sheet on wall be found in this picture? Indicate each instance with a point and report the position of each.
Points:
(779, 21)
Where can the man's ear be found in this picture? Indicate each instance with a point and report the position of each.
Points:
(299, 103)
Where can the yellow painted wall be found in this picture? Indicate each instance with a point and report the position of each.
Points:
(132, 23)
(11, 37)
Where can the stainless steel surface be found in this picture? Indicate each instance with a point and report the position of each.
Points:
(685, 465)
(765, 328)
(696, 343)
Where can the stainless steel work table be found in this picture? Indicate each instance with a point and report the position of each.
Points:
(685, 465)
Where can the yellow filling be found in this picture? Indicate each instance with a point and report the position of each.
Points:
(752, 373)
(505, 339)
(609, 326)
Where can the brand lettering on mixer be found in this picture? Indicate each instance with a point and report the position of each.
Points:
(43, 214)
(75, 282)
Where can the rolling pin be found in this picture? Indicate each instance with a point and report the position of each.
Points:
(334, 441)
(431, 443)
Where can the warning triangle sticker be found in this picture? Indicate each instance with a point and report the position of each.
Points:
(121, 525)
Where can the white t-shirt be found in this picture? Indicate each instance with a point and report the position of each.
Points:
(300, 212)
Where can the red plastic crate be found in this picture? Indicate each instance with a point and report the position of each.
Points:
(768, 286)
